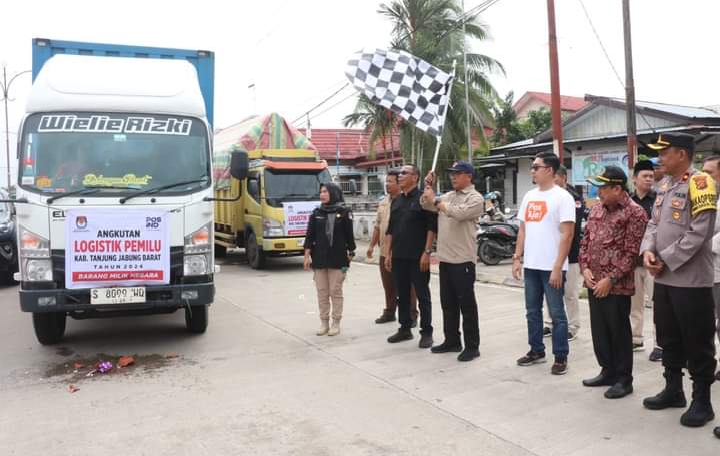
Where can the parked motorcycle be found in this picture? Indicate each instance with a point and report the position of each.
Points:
(496, 239)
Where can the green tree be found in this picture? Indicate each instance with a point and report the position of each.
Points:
(376, 120)
(432, 31)
(536, 122)
(507, 127)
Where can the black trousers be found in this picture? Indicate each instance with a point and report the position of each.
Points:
(612, 334)
(407, 274)
(685, 325)
(457, 295)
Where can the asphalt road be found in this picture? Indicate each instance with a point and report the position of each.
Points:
(260, 382)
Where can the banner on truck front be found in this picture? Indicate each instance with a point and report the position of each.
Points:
(297, 214)
(116, 248)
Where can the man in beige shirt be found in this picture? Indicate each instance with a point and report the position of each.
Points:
(381, 225)
(458, 211)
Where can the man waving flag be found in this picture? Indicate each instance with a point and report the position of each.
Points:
(405, 84)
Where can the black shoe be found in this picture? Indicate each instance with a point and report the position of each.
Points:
(547, 332)
(700, 411)
(571, 336)
(638, 347)
(531, 358)
(469, 354)
(413, 324)
(716, 431)
(446, 348)
(426, 341)
(618, 390)
(656, 354)
(671, 396)
(717, 375)
(400, 336)
(559, 367)
(385, 318)
(602, 379)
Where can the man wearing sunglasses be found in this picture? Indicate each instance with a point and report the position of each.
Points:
(458, 211)
(547, 223)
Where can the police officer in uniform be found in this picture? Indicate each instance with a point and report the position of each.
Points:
(677, 252)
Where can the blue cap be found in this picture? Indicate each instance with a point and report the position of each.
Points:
(461, 167)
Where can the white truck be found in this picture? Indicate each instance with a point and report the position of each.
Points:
(115, 197)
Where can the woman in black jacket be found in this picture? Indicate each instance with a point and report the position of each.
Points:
(329, 247)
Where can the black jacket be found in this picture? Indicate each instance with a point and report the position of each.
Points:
(325, 256)
(579, 216)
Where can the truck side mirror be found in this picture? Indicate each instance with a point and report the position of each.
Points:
(239, 165)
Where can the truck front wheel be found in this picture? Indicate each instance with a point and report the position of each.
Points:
(196, 319)
(255, 255)
(49, 327)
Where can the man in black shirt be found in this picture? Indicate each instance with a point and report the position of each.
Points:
(643, 180)
(410, 237)
(573, 278)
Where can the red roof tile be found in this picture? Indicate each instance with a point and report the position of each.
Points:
(567, 103)
(353, 143)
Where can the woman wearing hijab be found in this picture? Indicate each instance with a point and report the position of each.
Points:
(329, 247)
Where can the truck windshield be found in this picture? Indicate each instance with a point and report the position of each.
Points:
(116, 153)
(293, 185)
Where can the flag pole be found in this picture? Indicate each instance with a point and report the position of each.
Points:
(442, 123)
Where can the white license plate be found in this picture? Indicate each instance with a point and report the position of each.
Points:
(117, 295)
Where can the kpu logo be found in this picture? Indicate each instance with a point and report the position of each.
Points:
(81, 222)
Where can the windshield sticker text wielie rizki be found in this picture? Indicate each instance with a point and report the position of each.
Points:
(128, 179)
(105, 124)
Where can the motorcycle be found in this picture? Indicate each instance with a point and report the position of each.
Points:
(496, 239)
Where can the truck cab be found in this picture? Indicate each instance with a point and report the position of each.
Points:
(269, 218)
(114, 197)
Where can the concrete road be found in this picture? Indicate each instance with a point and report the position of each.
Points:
(260, 382)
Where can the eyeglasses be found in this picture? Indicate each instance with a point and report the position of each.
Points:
(537, 167)
(403, 172)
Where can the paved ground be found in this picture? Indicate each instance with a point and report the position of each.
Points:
(261, 382)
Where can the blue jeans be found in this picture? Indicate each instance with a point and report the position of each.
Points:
(537, 285)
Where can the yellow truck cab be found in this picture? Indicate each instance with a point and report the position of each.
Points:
(267, 212)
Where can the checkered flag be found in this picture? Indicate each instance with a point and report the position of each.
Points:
(405, 84)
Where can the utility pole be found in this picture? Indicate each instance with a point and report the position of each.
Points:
(5, 87)
(467, 88)
(555, 83)
(629, 88)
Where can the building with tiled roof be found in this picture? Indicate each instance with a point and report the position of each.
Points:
(533, 101)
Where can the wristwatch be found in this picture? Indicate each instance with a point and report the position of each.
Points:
(428, 251)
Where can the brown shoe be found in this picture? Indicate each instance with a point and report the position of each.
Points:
(385, 318)
(559, 367)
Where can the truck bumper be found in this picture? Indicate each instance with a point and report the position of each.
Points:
(283, 245)
(159, 298)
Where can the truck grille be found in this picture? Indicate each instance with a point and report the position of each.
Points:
(176, 266)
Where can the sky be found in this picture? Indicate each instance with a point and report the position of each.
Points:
(293, 53)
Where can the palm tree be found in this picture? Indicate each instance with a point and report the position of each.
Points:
(432, 30)
(376, 120)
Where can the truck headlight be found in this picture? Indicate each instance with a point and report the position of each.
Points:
(199, 241)
(273, 228)
(6, 227)
(35, 257)
(197, 264)
(38, 270)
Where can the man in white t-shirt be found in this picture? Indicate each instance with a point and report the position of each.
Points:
(547, 223)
